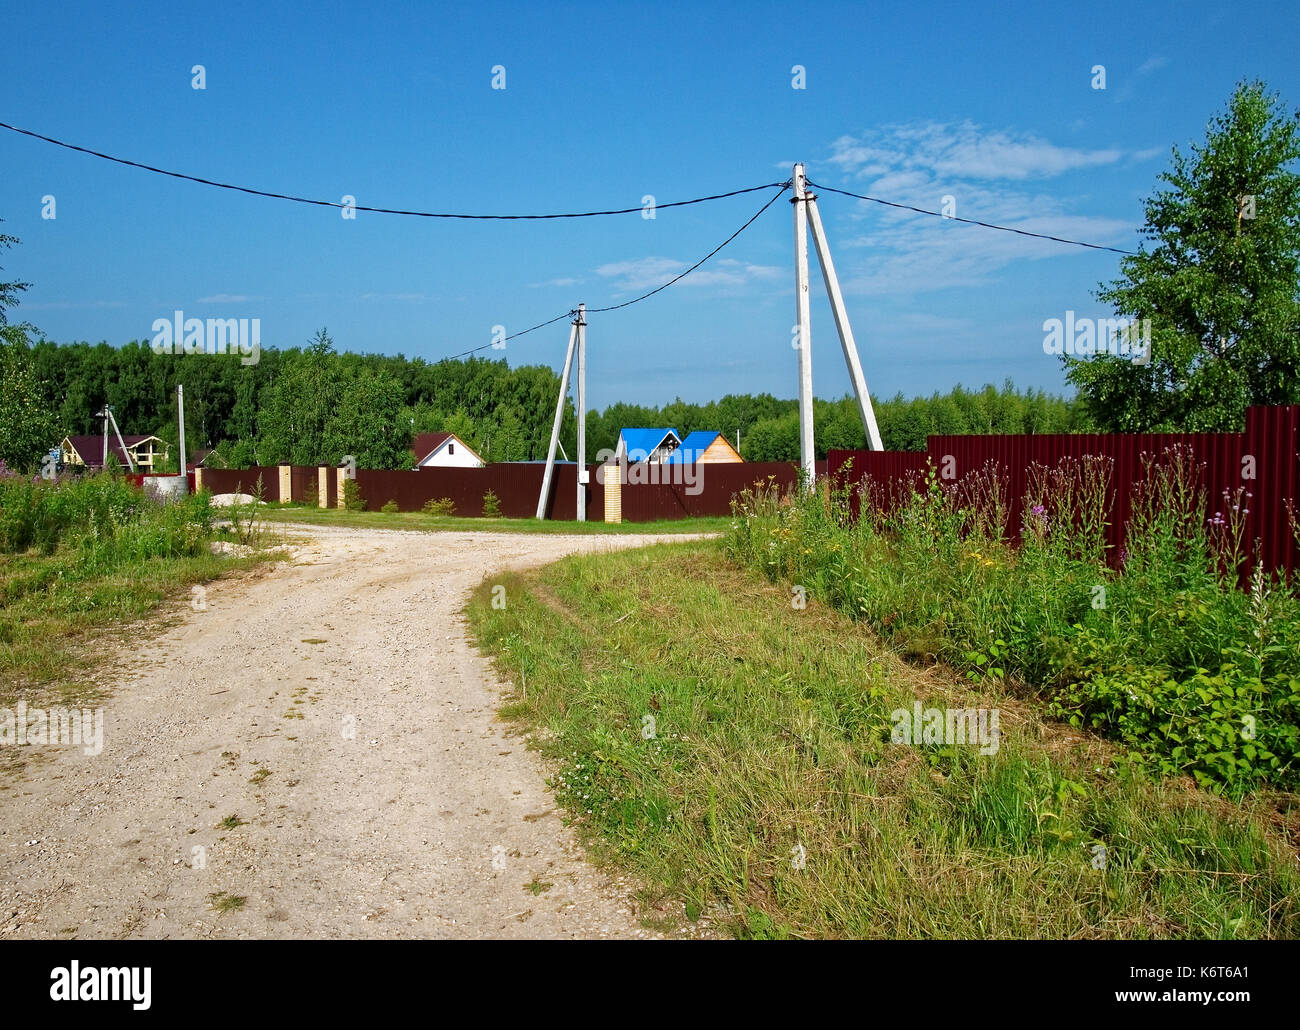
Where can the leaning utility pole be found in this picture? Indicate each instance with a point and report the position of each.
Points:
(807, 216)
(107, 414)
(555, 426)
(842, 326)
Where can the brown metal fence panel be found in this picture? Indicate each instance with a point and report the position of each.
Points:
(702, 489)
(516, 485)
(244, 481)
(1262, 461)
(302, 483)
(1272, 439)
(1267, 448)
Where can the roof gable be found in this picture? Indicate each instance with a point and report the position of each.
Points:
(428, 444)
(639, 443)
(693, 447)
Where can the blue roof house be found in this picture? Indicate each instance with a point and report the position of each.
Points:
(650, 445)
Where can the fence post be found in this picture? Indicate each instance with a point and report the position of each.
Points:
(286, 483)
(322, 486)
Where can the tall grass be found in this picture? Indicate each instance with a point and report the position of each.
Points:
(80, 555)
(103, 518)
(733, 752)
(1156, 647)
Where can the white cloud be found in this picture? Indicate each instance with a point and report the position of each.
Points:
(1152, 64)
(961, 151)
(648, 272)
(228, 298)
(987, 175)
(566, 281)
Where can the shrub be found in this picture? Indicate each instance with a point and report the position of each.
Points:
(1164, 653)
(389, 507)
(491, 506)
(352, 499)
(442, 506)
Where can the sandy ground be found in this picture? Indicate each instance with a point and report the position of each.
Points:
(428, 820)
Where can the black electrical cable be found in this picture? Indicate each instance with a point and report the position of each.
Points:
(377, 210)
(968, 221)
(522, 332)
(628, 303)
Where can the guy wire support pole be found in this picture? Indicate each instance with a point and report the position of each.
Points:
(842, 326)
(545, 495)
(120, 442)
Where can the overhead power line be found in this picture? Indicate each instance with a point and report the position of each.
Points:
(377, 210)
(636, 300)
(683, 275)
(968, 221)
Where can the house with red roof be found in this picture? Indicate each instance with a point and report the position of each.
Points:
(88, 451)
(444, 450)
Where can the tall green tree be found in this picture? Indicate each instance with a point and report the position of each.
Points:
(1219, 282)
(369, 423)
(298, 405)
(27, 425)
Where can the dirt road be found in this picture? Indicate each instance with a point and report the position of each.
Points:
(228, 771)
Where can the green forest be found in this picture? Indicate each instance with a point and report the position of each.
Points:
(312, 405)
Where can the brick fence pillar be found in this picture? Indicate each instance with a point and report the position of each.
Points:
(613, 492)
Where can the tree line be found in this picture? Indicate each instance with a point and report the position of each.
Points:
(313, 405)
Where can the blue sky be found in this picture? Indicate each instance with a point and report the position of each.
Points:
(604, 104)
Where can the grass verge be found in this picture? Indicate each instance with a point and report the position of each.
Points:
(734, 754)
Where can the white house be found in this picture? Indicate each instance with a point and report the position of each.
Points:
(444, 450)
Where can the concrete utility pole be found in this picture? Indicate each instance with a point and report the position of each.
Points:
(807, 455)
(555, 426)
(180, 421)
(807, 216)
(581, 403)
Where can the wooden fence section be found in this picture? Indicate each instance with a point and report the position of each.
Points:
(1263, 460)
